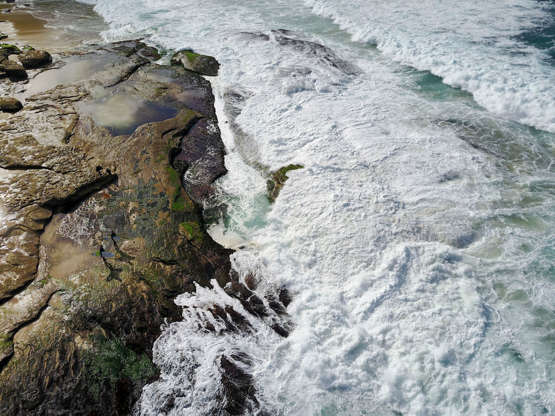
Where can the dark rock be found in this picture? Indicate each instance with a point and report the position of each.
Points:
(201, 64)
(133, 47)
(250, 281)
(239, 392)
(31, 59)
(284, 296)
(6, 48)
(3, 36)
(10, 105)
(280, 330)
(292, 40)
(149, 53)
(13, 70)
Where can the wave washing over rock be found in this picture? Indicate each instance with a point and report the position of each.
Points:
(403, 263)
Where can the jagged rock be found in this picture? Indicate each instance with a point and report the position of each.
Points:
(101, 227)
(31, 59)
(201, 64)
(10, 105)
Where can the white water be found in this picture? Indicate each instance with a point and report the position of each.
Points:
(417, 240)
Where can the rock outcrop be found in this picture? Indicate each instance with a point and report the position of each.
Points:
(201, 64)
(102, 178)
(278, 179)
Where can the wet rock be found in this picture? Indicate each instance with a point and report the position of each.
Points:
(133, 47)
(256, 35)
(8, 49)
(284, 296)
(201, 64)
(231, 320)
(13, 70)
(10, 105)
(97, 232)
(239, 392)
(278, 179)
(31, 59)
(3, 36)
(327, 56)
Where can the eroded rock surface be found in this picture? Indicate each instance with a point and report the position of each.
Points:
(101, 179)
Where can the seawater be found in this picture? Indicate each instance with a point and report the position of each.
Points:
(418, 239)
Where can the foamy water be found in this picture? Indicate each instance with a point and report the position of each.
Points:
(418, 239)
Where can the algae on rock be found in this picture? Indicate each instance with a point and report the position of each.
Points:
(277, 180)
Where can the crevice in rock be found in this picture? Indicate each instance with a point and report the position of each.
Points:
(127, 74)
(26, 167)
(165, 262)
(125, 257)
(114, 272)
(23, 324)
(17, 291)
(70, 203)
(187, 128)
(70, 130)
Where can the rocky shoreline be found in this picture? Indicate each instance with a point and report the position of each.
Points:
(104, 170)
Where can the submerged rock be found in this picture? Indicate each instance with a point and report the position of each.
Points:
(278, 179)
(31, 59)
(10, 105)
(201, 64)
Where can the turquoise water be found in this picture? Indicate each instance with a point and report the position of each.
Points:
(542, 36)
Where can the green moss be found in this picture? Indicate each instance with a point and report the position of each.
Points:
(113, 361)
(173, 176)
(12, 49)
(278, 179)
(178, 204)
(5, 342)
(192, 231)
(43, 282)
(178, 200)
(191, 56)
(186, 116)
(280, 175)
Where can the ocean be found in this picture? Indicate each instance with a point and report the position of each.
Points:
(418, 239)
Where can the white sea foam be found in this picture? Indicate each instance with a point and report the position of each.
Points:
(416, 240)
(470, 44)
